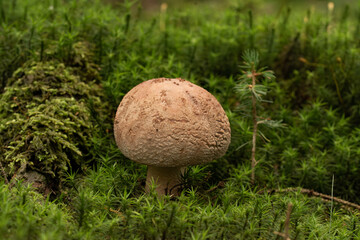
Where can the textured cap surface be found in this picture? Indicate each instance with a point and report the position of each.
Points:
(171, 123)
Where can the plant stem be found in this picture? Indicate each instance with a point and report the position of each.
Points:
(332, 200)
(4, 173)
(255, 123)
(287, 221)
(285, 234)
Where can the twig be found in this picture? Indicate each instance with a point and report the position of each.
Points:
(120, 214)
(285, 235)
(332, 200)
(287, 221)
(255, 123)
(221, 184)
(282, 235)
(312, 193)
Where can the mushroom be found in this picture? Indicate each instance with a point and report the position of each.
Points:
(168, 124)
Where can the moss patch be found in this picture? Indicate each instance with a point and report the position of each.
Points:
(49, 115)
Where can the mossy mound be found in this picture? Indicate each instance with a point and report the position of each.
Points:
(48, 117)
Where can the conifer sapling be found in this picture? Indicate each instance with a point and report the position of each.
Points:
(251, 95)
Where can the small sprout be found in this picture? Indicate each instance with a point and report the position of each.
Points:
(251, 93)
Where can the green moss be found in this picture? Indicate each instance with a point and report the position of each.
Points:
(53, 117)
(25, 214)
(48, 116)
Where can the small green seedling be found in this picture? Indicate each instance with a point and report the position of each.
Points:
(251, 96)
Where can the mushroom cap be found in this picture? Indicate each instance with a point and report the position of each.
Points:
(171, 123)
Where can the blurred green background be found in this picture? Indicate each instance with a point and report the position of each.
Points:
(269, 7)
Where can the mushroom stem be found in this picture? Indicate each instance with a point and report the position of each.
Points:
(167, 179)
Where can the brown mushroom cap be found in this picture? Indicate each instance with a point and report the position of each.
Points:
(171, 123)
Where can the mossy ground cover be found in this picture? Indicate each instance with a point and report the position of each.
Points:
(49, 115)
(65, 66)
